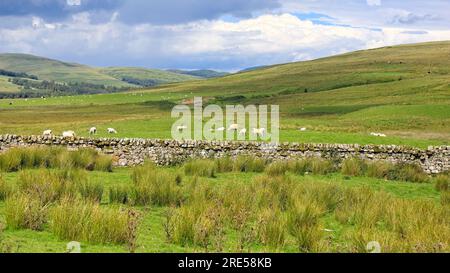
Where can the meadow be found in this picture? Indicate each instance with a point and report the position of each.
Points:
(52, 196)
(400, 91)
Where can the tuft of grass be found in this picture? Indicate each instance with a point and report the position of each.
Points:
(303, 222)
(224, 164)
(445, 198)
(91, 191)
(246, 163)
(45, 185)
(380, 169)
(78, 220)
(322, 166)
(410, 173)
(277, 168)
(201, 167)
(271, 229)
(353, 167)
(5, 189)
(23, 211)
(442, 183)
(153, 186)
(119, 194)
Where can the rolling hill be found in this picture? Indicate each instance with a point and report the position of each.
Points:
(202, 73)
(402, 91)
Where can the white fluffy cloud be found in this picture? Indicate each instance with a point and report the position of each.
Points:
(215, 44)
(374, 2)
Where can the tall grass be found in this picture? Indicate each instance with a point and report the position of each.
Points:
(78, 220)
(119, 194)
(23, 211)
(17, 159)
(303, 222)
(154, 186)
(442, 183)
(5, 189)
(271, 228)
(91, 191)
(353, 167)
(201, 167)
(246, 163)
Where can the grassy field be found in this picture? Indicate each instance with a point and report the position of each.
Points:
(203, 207)
(401, 91)
(160, 76)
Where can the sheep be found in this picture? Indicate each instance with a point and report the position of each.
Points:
(112, 131)
(260, 131)
(221, 129)
(47, 133)
(233, 127)
(181, 128)
(303, 129)
(93, 131)
(378, 134)
(69, 134)
(242, 132)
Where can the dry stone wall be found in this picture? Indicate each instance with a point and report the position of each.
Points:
(132, 152)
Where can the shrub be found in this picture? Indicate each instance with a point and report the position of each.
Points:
(119, 194)
(201, 167)
(380, 169)
(22, 211)
(277, 168)
(249, 164)
(78, 220)
(442, 183)
(303, 222)
(92, 191)
(353, 167)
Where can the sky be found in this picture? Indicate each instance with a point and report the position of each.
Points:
(226, 35)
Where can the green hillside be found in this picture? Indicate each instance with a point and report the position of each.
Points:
(156, 75)
(402, 91)
(48, 69)
(6, 86)
(202, 73)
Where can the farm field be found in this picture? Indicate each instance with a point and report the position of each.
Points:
(217, 206)
(401, 91)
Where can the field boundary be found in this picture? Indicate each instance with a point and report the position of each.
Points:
(134, 151)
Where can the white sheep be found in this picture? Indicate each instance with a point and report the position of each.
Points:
(47, 133)
(233, 127)
(69, 134)
(93, 131)
(378, 134)
(303, 129)
(259, 132)
(221, 129)
(242, 132)
(112, 131)
(181, 128)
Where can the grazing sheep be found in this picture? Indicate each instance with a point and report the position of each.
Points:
(181, 128)
(233, 127)
(47, 133)
(93, 131)
(221, 129)
(69, 134)
(378, 134)
(259, 132)
(303, 129)
(243, 132)
(112, 131)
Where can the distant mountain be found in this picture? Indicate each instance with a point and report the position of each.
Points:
(253, 68)
(203, 73)
(145, 76)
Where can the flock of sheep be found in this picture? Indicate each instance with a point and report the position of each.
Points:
(233, 127)
(72, 134)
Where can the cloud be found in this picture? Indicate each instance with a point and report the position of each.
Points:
(217, 44)
(374, 2)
